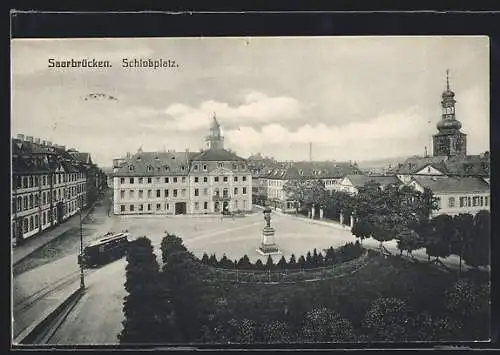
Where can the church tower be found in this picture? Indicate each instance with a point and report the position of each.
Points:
(449, 141)
(214, 140)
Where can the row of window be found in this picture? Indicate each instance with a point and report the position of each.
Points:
(166, 193)
(149, 207)
(183, 168)
(469, 201)
(32, 222)
(175, 179)
(29, 201)
(35, 180)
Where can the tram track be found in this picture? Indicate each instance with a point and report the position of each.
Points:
(27, 302)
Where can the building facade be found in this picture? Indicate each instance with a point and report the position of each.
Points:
(215, 180)
(274, 179)
(48, 186)
(455, 195)
(449, 141)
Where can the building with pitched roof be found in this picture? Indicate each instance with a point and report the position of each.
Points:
(49, 183)
(170, 183)
(271, 180)
(455, 194)
(351, 183)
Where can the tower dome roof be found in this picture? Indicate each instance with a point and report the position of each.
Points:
(448, 94)
(449, 124)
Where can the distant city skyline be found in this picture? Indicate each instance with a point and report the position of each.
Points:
(354, 98)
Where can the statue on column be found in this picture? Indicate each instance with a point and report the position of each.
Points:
(267, 216)
(267, 245)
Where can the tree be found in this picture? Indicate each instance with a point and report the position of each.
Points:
(212, 261)
(269, 263)
(225, 263)
(330, 256)
(259, 265)
(170, 244)
(469, 304)
(246, 331)
(438, 242)
(309, 261)
(147, 308)
(463, 223)
(409, 240)
(307, 192)
(282, 264)
(302, 262)
(204, 259)
(292, 264)
(362, 228)
(244, 263)
(388, 319)
(182, 275)
(477, 252)
(324, 325)
(276, 332)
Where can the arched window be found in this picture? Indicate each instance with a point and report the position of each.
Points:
(31, 223)
(25, 225)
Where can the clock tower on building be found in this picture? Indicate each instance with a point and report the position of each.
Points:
(214, 140)
(449, 141)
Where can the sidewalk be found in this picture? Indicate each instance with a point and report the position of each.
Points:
(36, 242)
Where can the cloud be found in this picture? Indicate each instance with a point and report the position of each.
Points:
(257, 107)
(355, 139)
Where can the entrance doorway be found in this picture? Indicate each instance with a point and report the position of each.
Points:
(180, 208)
(60, 212)
(216, 206)
(225, 207)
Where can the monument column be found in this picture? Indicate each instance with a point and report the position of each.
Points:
(268, 245)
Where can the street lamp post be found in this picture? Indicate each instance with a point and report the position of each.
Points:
(82, 279)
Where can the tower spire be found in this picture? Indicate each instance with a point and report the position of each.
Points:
(447, 79)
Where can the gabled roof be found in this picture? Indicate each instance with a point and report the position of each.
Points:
(217, 155)
(449, 184)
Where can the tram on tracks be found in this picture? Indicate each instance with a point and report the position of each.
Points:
(112, 246)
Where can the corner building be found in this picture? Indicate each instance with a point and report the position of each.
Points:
(172, 183)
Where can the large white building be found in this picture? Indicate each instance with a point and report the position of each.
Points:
(455, 194)
(210, 181)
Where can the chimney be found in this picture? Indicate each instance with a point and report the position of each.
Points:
(29, 139)
(37, 140)
(20, 137)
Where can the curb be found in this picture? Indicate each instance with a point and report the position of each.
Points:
(41, 329)
(87, 212)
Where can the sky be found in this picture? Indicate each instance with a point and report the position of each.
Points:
(353, 98)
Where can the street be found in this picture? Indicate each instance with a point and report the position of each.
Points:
(97, 317)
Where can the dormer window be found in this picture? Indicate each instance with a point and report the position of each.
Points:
(182, 167)
(196, 167)
(131, 167)
(219, 165)
(150, 168)
(138, 158)
(204, 167)
(167, 168)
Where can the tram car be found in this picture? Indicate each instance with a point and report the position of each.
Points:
(110, 247)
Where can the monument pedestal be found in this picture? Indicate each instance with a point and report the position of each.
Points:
(268, 246)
